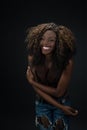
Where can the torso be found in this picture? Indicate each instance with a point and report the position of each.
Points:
(48, 75)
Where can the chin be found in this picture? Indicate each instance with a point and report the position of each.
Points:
(46, 53)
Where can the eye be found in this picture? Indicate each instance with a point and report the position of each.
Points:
(52, 40)
(42, 38)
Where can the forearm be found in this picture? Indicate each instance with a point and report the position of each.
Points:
(47, 89)
(51, 90)
(48, 98)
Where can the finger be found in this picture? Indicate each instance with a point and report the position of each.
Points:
(73, 110)
(75, 113)
(27, 71)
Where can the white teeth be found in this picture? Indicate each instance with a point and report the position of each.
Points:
(46, 48)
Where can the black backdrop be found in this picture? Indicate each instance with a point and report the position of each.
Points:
(17, 96)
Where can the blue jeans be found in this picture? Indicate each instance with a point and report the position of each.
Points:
(52, 114)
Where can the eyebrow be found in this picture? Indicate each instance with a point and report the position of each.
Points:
(49, 37)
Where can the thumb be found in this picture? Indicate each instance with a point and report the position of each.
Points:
(75, 112)
(28, 67)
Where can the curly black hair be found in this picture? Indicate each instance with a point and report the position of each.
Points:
(65, 43)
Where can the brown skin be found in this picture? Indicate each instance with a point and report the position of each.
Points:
(46, 92)
(67, 110)
(62, 84)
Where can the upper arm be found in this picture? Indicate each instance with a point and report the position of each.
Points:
(65, 79)
(30, 60)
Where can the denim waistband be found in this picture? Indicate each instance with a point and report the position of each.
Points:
(40, 99)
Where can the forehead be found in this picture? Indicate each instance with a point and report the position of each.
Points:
(49, 33)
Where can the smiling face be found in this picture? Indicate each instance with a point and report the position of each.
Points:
(47, 42)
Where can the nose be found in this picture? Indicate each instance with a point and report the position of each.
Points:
(45, 42)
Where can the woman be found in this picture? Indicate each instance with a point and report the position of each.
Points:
(50, 55)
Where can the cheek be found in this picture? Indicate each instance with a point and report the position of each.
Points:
(53, 46)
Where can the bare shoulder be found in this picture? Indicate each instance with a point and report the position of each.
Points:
(70, 66)
(71, 62)
(30, 57)
(30, 60)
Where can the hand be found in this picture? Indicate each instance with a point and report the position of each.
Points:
(70, 111)
(29, 75)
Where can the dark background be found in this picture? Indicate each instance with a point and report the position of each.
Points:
(17, 96)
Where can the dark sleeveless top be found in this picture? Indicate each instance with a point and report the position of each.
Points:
(47, 81)
(50, 83)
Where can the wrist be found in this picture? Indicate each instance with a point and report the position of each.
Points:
(32, 82)
(61, 107)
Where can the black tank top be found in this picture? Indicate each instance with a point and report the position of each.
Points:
(47, 81)
(50, 83)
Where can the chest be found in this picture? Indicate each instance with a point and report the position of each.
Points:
(48, 74)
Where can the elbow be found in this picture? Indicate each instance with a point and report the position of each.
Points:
(59, 94)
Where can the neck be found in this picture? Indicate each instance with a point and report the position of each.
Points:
(48, 58)
(48, 61)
